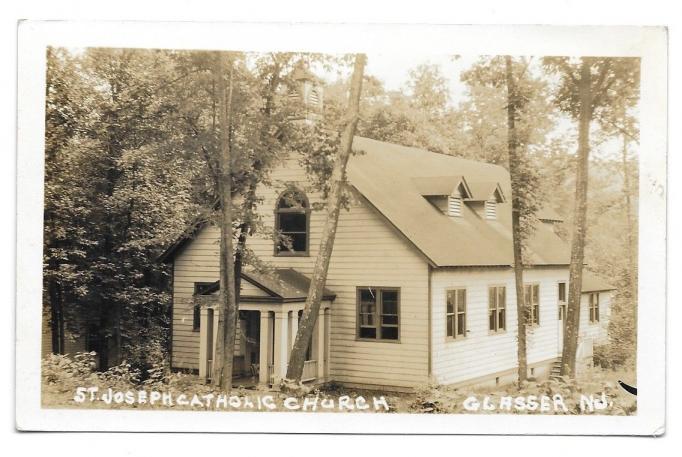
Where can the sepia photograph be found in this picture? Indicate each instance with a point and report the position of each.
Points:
(287, 231)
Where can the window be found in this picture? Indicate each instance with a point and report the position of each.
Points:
(199, 289)
(292, 224)
(531, 294)
(562, 301)
(497, 304)
(378, 313)
(454, 206)
(455, 313)
(594, 308)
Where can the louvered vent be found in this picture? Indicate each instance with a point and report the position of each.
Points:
(314, 97)
(491, 209)
(454, 206)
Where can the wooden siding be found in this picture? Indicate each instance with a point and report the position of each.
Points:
(482, 353)
(198, 262)
(367, 252)
(597, 331)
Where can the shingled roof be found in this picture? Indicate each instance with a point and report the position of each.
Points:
(393, 179)
(593, 283)
(441, 185)
(384, 174)
(281, 284)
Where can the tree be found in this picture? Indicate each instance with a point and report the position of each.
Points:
(334, 200)
(115, 194)
(506, 98)
(587, 89)
(429, 89)
(517, 233)
(227, 320)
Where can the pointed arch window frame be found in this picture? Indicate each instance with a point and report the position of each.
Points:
(277, 211)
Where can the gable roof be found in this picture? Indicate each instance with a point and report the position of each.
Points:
(281, 285)
(593, 283)
(441, 185)
(548, 214)
(383, 173)
(483, 191)
(391, 178)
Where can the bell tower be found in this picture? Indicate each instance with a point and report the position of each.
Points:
(309, 91)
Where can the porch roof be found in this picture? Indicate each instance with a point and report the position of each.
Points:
(282, 285)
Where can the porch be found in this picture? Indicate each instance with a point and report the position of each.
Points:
(269, 312)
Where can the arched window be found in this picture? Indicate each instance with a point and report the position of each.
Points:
(292, 217)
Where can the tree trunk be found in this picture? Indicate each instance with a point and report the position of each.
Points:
(568, 358)
(56, 317)
(319, 278)
(517, 236)
(227, 320)
(631, 248)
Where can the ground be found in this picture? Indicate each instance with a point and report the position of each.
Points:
(70, 382)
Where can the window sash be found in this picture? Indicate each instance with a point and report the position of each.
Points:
(455, 313)
(199, 289)
(497, 304)
(531, 294)
(594, 307)
(289, 230)
(374, 321)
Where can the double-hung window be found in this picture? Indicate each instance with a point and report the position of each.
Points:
(455, 313)
(497, 306)
(531, 294)
(378, 313)
(594, 307)
(200, 288)
(562, 301)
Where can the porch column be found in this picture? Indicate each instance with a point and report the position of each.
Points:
(204, 343)
(321, 327)
(264, 348)
(281, 344)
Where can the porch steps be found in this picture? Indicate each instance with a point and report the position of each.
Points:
(555, 372)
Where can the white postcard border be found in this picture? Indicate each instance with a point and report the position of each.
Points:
(648, 42)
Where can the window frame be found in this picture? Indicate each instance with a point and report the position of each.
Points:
(534, 314)
(497, 309)
(593, 308)
(196, 307)
(456, 314)
(378, 312)
(281, 253)
(562, 304)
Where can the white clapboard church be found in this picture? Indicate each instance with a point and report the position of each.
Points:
(420, 285)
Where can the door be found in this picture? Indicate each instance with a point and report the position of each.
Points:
(560, 332)
(561, 322)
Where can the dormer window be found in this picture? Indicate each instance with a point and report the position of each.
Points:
(446, 193)
(292, 223)
(486, 196)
